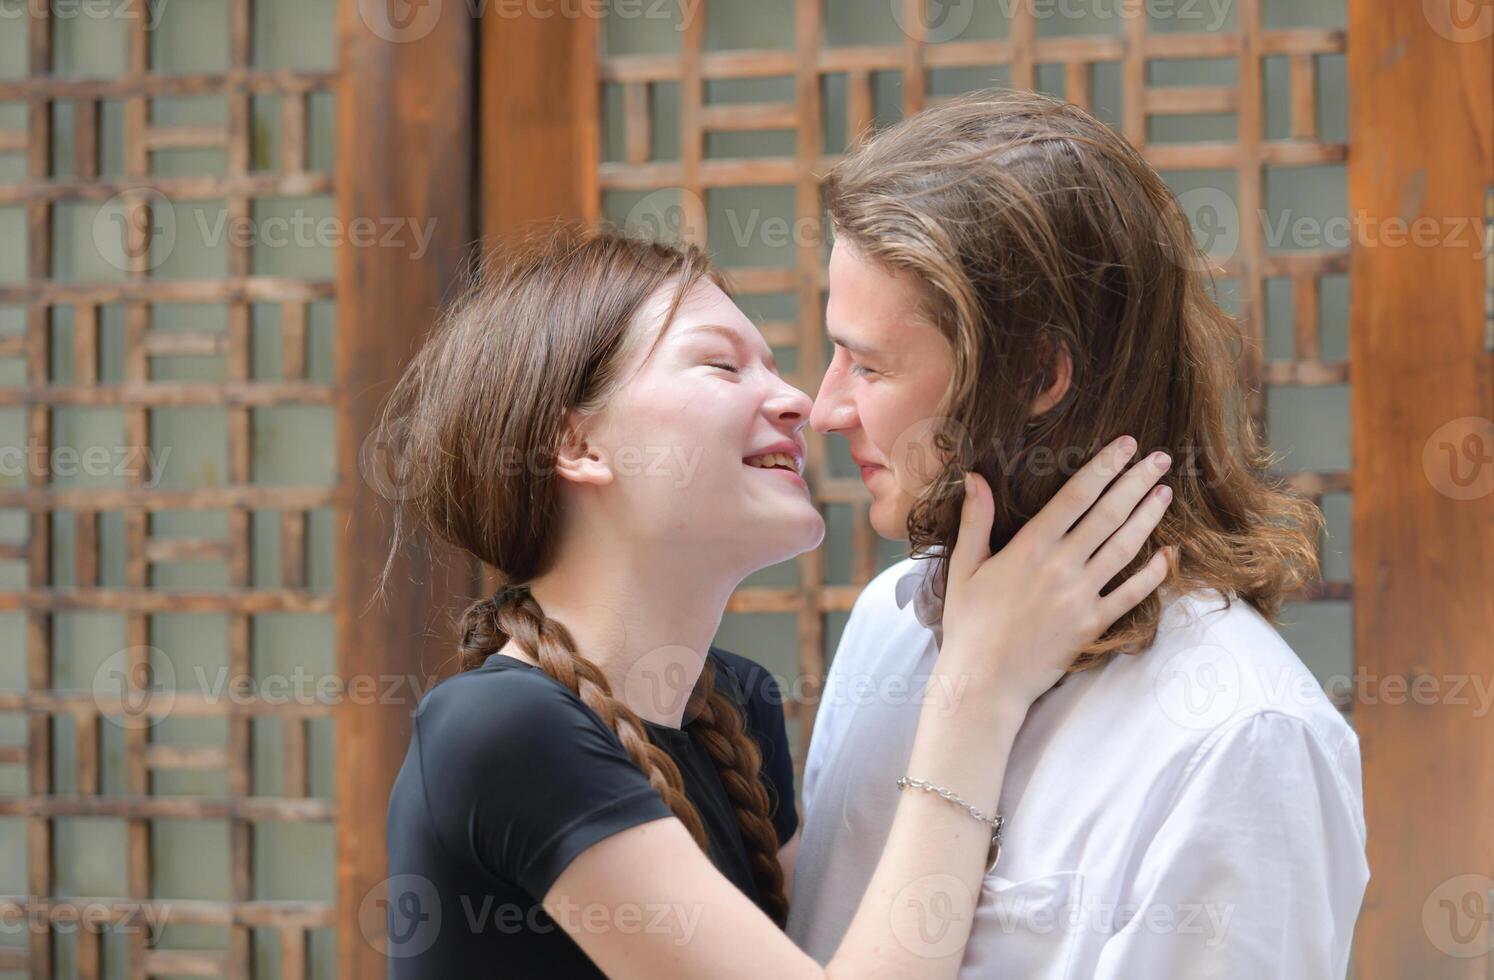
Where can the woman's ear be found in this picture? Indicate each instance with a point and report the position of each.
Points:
(577, 460)
(1057, 355)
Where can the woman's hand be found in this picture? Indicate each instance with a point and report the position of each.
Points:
(1019, 617)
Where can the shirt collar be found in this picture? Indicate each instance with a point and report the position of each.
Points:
(917, 585)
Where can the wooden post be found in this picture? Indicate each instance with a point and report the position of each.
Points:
(541, 122)
(538, 102)
(405, 145)
(1421, 85)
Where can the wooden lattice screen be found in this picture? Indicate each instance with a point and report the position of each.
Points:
(811, 61)
(125, 691)
(44, 299)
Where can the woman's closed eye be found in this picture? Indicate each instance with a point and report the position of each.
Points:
(724, 366)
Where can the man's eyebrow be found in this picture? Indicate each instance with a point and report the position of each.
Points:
(734, 336)
(853, 346)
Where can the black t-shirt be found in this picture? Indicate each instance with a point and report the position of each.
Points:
(507, 779)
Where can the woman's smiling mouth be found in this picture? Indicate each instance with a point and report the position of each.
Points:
(789, 462)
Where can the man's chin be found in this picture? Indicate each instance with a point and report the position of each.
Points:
(889, 520)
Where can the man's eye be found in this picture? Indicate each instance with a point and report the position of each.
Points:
(861, 370)
(724, 367)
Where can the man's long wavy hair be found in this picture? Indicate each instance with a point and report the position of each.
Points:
(542, 329)
(1032, 227)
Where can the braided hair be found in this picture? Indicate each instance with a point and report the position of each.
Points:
(513, 614)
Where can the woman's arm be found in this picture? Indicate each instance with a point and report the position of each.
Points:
(647, 903)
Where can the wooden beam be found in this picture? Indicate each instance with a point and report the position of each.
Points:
(1422, 119)
(540, 137)
(405, 144)
(541, 128)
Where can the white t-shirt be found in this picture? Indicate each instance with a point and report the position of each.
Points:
(1194, 811)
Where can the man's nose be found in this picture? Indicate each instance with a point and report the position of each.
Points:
(832, 411)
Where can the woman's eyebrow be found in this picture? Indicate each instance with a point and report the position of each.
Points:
(732, 335)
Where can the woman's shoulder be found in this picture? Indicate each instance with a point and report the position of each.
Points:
(499, 676)
(510, 699)
(519, 777)
(505, 699)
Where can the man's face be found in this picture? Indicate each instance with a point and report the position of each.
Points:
(884, 384)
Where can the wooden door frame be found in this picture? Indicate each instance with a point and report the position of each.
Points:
(1421, 98)
(483, 126)
(406, 142)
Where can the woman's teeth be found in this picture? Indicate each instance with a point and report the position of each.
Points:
(770, 460)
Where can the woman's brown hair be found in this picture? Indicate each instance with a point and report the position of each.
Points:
(1032, 227)
(540, 330)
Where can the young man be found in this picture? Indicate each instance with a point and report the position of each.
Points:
(1011, 286)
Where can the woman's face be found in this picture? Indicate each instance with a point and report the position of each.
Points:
(704, 439)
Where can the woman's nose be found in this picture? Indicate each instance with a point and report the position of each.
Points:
(789, 404)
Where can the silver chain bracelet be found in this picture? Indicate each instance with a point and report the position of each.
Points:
(997, 822)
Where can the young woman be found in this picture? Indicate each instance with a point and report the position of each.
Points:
(599, 422)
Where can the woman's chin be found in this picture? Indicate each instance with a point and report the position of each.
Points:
(814, 532)
(787, 537)
(754, 537)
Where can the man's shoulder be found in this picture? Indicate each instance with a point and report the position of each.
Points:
(1218, 688)
(1215, 663)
